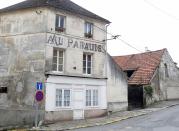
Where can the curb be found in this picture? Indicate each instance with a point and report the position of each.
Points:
(117, 119)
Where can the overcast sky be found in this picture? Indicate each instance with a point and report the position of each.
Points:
(141, 23)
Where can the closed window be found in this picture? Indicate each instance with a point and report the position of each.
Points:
(63, 97)
(92, 97)
(88, 98)
(88, 30)
(87, 63)
(60, 23)
(58, 58)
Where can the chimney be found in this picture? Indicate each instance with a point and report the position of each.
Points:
(146, 49)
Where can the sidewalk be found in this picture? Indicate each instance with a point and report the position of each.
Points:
(115, 117)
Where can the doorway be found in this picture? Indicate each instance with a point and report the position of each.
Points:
(78, 107)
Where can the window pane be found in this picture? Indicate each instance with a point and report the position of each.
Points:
(84, 64)
(57, 20)
(54, 67)
(58, 97)
(55, 60)
(89, 70)
(62, 20)
(95, 97)
(88, 97)
(66, 97)
(54, 52)
(89, 65)
(60, 61)
(84, 57)
(61, 54)
(89, 57)
(60, 67)
(86, 27)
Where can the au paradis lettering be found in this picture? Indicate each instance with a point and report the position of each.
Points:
(74, 43)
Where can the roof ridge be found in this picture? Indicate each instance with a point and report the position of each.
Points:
(142, 53)
(66, 5)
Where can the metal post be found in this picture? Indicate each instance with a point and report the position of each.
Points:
(36, 114)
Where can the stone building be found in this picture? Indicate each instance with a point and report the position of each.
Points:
(152, 76)
(117, 87)
(60, 44)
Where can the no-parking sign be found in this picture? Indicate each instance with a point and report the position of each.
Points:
(39, 96)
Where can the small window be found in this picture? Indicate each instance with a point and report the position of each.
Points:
(60, 23)
(62, 98)
(92, 97)
(88, 30)
(58, 58)
(166, 70)
(3, 89)
(87, 63)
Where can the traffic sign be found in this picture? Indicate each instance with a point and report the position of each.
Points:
(39, 96)
(39, 86)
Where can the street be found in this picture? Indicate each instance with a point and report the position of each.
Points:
(163, 120)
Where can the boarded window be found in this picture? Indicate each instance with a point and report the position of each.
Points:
(3, 89)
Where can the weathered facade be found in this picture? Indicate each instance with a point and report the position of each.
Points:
(152, 76)
(22, 62)
(117, 87)
(62, 46)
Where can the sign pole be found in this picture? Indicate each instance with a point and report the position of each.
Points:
(39, 97)
(36, 114)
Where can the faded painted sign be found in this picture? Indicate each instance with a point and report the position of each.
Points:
(69, 42)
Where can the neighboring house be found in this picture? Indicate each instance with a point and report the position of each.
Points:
(60, 44)
(117, 87)
(152, 76)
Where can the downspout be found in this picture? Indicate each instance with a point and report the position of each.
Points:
(106, 49)
(106, 64)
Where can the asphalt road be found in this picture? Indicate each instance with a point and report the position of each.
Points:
(164, 120)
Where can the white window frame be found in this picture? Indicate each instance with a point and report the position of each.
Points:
(92, 98)
(63, 98)
(86, 67)
(88, 29)
(57, 62)
(58, 22)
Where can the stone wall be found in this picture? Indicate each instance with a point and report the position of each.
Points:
(94, 113)
(19, 117)
(22, 64)
(169, 84)
(165, 87)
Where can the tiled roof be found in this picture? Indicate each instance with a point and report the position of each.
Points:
(144, 65)
(65, 5)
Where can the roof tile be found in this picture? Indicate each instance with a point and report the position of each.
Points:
(144, 65)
